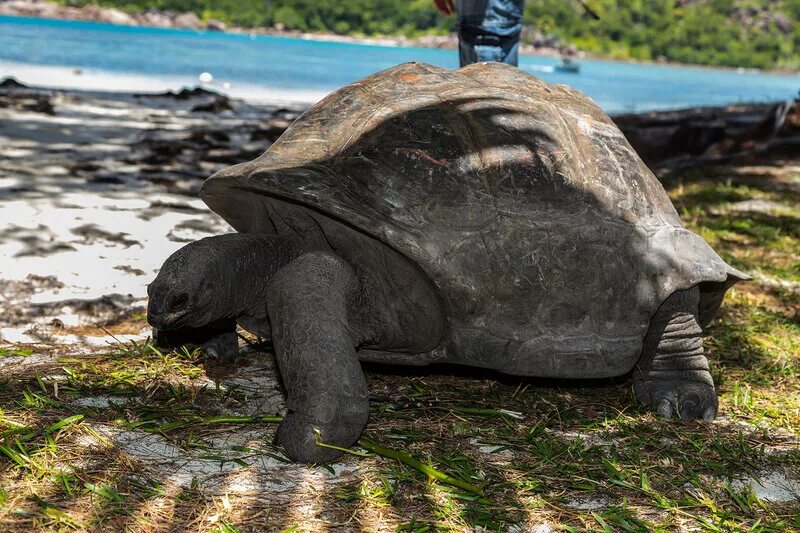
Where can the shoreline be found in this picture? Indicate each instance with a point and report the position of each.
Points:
(65, 78)
(71, 78)
(162, 20)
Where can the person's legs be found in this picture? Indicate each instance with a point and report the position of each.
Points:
(488, 30)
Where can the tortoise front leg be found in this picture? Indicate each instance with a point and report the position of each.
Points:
(217, 340)
(308, 305)
(672, 377)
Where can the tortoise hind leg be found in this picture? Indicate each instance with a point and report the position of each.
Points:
(672, 376)
(308, 303)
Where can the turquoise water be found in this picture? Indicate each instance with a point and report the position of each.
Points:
(287, 65)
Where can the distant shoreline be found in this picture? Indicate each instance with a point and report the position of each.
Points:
(70, 78)
(189, 21)
(65, 78)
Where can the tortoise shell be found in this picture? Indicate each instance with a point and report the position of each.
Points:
(547, 241)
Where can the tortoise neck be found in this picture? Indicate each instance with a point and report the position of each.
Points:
(245, 265)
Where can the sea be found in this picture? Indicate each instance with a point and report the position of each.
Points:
(88, 55)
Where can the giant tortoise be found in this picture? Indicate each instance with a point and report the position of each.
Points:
(479, 217)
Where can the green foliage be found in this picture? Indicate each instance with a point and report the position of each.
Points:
(363, 17)
(741, 33)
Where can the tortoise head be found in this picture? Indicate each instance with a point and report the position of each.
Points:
(189, 289)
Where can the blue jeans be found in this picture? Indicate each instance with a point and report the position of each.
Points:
(488, 30)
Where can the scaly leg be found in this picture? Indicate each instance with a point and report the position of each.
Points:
(310, 305)
(672, 377)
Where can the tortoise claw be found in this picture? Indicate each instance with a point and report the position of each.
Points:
(300, 438)
(664, 408)
(211, 352)
(687, 400)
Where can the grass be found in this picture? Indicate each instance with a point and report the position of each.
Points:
(578, 456)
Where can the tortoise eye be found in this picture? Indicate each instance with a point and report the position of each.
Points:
(179, 300)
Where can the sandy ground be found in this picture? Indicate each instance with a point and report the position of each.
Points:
(97, 191)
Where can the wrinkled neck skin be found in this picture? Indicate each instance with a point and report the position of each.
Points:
(243, 265)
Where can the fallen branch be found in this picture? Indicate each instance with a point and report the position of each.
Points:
(216, 420)
(408, 459)
(477, 411)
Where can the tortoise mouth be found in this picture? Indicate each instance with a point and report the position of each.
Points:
(171, 320)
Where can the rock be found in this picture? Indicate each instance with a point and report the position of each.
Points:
(183, 94)
(28, 101)
(208, 137)
(791, 123)
(37, 8)
(188, 21)
(215, 25)
(116, 16)
(684, 136)
(271, 130)
(29, 8)
(153, 17)
(10, 82)
(42, 105)
(217, 105)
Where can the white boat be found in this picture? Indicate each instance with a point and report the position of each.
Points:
(569, 65)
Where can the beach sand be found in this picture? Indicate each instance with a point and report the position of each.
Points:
(69, 78)
(99, 189)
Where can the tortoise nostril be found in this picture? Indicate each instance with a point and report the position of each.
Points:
(154, 311)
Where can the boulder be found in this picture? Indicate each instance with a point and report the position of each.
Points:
(215, 25)
(156, 18)
(188, 21)
(116, 16)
